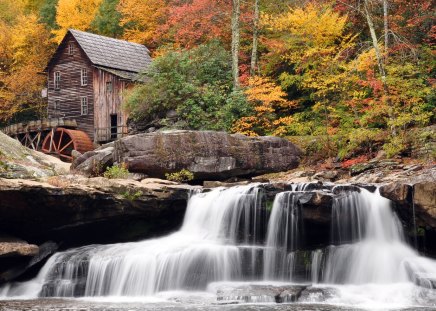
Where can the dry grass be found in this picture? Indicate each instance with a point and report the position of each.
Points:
(58, 181)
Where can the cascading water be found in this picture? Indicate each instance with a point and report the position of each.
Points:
(229, 235)
(206, 249)
(284, 230)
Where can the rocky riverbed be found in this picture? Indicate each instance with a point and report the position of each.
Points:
(50, 208)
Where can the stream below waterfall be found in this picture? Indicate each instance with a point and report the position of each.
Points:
(238, 251)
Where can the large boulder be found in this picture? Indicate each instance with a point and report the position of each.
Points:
(17, 161)
(18, 258)
(209, 155)
(424, 200)
(418, 200)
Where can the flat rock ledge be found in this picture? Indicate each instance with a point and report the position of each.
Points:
(17, 249)
(75, 209)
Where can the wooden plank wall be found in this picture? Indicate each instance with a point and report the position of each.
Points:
(70, 88)
(108, 102)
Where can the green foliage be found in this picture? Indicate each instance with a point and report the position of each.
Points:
(47, 13)
(358, 141)
(116, 172)
(394, 146)
(196, 83)
(131, 195)
(182, 176)
(107, 19)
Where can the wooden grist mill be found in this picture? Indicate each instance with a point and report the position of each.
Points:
(87, 77)
(57, 137)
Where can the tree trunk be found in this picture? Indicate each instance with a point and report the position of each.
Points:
(235, 43)
(386, 26)
(378, 53)
(253, 65)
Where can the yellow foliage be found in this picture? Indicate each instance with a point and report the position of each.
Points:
(267, 98)
(141, 18)
(314, 41)
(77, 14)
(317, 26)
(10, 9)
(24, 51)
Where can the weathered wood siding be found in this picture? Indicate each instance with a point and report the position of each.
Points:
(71, 90)
(108, 102)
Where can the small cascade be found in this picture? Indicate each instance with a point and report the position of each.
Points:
(284, 237)
(372, 248)
(315, 268)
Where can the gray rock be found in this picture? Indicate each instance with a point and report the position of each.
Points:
(75, 154)
(424, 200)
(329, 175)
(317, 294)
(94, 163)
(10, 270)
(209, 155)
(253, 293)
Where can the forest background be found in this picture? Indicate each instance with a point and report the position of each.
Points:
(356, 74)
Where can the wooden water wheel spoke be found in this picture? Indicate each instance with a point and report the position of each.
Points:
(60, 139)
(64, 147)
(62, 142)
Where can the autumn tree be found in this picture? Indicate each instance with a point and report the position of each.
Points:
(269, 102)
(77, 14)
(140, 20)
(24, 53)
(196, 22)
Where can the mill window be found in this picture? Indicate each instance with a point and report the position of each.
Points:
(56, 106)
(57, 80)
(83, 77)
(109, 87)
(84, 105)
(70, 49)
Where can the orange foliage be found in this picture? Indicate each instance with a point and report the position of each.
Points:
(267, 99)
(141, 19)
(20, 83)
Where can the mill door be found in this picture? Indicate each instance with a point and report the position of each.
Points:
(114, 126)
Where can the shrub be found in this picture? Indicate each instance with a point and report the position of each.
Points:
(195, 83)
(132, 195)
(395, 146)
(181, 176)
(116, 172)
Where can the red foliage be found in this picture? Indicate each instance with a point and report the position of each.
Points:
(351, 162)
(198, 21)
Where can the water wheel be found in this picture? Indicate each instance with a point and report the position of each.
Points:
(61, 142)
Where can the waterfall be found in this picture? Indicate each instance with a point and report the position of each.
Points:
(371, 242)
(284, 230)
(219, 228)
(229, 235)
(315, 268)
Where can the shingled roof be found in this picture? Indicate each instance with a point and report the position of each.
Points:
(124, 58)
(113, 53)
